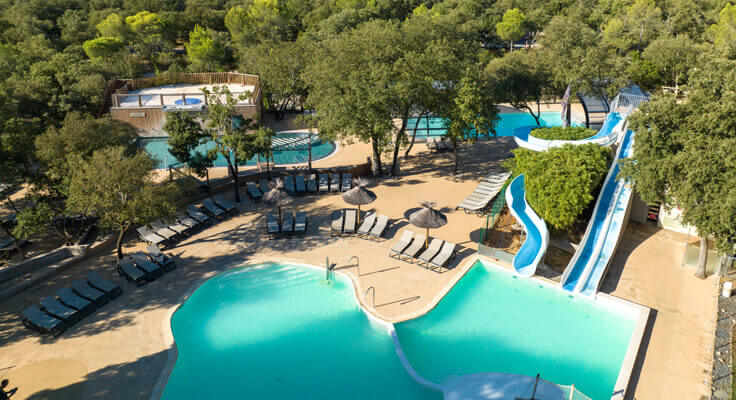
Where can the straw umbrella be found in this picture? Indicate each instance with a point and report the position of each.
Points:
(428, 218)
(277, 196)
(359, 195)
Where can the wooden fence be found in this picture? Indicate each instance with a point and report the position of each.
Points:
(204, 78)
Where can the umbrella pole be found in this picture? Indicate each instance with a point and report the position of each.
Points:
(426, 243)
(279, 216)
(359, 213)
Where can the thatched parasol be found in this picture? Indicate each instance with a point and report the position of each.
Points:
(428, 218)
(277, 196)
(359, 195)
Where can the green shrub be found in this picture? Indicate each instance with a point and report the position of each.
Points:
(560, 133)
(559, 182)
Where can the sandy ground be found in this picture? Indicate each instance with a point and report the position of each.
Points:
(119, 351)
(677, 346)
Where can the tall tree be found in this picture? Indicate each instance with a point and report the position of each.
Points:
(521, 79)
(206, 51)
(511, 27)
(683, 154)
(674, 57)
(119, 189)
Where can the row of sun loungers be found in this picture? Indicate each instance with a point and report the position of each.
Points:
(437, 254)
(141, 268)
(303, 184)
(487, 189)
(190, 220)
(69, 305)
(290, 224)
(436, 144)
(373, 226)
(344, 222)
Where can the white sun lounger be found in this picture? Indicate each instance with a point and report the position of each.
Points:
(414, 248)
(401, 244)
(365, 227)
(430, 252)
(445, 255)
(324, 183)
(162, 229)
(380, 227)
(147, 235)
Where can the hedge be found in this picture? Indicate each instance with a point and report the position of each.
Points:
(560, 133)
(559, 182)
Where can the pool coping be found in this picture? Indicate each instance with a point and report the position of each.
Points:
(620, 388)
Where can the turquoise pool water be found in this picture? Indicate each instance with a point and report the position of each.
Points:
(505, 126)
(280, 332)
(159, 148)
(494, 321)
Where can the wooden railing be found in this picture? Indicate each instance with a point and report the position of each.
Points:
(208, 78)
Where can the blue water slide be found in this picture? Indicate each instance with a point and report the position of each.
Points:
(605, 136)
(586, 268)
(532, 251)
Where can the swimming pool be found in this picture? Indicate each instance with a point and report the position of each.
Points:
(505, 126)
(279, 331)
(290, 154)
(493, 320)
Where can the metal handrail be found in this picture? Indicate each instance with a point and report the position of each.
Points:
(374, 294)
(357, 264)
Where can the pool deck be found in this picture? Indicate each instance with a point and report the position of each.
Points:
(120, 350)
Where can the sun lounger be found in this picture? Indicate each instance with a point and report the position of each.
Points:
(178, 227)
(324, 183)
(413, 249)
(351, 219)
(163, 230)
(34, 318)
(212, 208)
(430, 252)
(300, 222)
(379, 228)
(335, 182)
(129, 271)
(264, 185)
(197, 214)
(365, 227)
(226, 205)
(338, 217)
(73, 300)
(347, 181)
(272, 225)
(98, 282)
(445, 255)
(151, 268)
(311, 183)
(8, 245)
(401, 244)
(432, 143)
(289, 184)
(287, 223)
(300, 185)
(253, 191)
(187, 221)
(147, 235)
(96, 296)
(486, 190)
(54, 308)
(157, 256)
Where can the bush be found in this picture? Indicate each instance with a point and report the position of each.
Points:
(560, 182)
(560, 133)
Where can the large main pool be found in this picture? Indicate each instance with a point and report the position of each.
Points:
(277, 331)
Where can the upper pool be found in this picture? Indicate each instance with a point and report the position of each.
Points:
(290, 148)
(505, 126)
(277, 331)
(494, 321)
